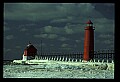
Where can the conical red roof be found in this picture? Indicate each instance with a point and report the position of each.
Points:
(89, 22)
(29, 46)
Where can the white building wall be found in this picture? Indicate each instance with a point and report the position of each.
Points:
(24, 57)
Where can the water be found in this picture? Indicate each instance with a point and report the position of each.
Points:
(55, 71)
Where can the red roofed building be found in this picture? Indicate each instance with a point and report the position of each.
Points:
(29, 52)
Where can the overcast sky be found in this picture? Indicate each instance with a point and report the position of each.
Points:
(60, 26)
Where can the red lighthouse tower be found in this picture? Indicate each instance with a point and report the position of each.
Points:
(88, 41)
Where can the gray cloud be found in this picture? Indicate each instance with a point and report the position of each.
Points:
(65, 19)
(77, 41)
(6, 28)
(9, 37)
(26, 25)
(74, 28)
(39, 45)
(6, 50)
(18, 47)
(31, 11)
(40, 36)
(52, 36)
(68, 30)
(64, 45)
(106, 9)
(63, 39)
(23, 29)
(45, 11)
(107, 42)
(111, 46)
(105, 36)
(59, 25)
(51, 29)
(47, 36)
(74, 12)
(104, 25)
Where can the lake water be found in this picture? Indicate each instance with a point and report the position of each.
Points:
(55, 71)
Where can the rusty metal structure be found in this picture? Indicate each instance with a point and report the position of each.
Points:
(88, 41)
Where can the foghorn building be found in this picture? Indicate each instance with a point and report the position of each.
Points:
(29, 52)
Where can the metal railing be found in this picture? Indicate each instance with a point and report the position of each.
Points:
(101, 55)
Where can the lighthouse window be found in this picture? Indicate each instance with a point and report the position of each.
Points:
(89, 24)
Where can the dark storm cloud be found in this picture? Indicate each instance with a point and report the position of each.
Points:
(61, 20)
(108, 8)
(57, 13)
(39, 11)
(59, 25)
(67, 29)
(38, 46)
(77, 41)
(24, 29)
(51, 29)
(46, 36)
(18, 47)
(63, 39)
(107, 41)
(6, 28)
(64, 45)
(8, 50)
(9, 37)
(105, 36)
(104, 25)
(33, 12)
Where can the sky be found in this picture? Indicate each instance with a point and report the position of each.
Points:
(60, 27)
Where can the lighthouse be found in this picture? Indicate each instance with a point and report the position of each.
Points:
(29, 52)
(88, 42)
